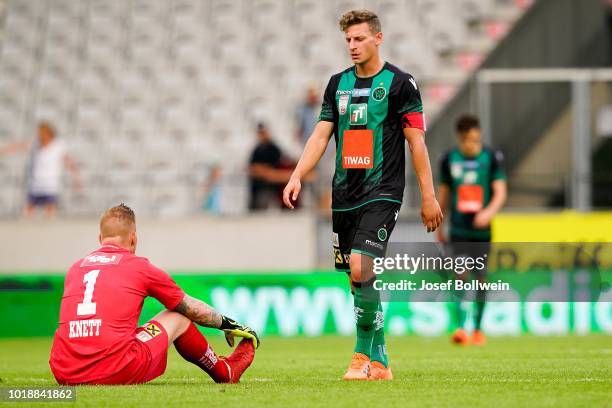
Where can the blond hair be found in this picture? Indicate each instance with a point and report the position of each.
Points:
(119, 220)
(360, 16)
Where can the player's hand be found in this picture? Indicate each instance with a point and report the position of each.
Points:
(234, 329)
(431, 214)
(482, 219)
(292, 191)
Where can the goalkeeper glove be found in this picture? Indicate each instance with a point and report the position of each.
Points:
(233, 329)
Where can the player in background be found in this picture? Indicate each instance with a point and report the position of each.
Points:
(473, 187)
(98, 341)
(371, 108)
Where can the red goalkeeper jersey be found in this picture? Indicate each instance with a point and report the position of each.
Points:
(102, 301)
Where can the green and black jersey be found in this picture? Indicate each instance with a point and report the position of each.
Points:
(382, 104)
(470, 182)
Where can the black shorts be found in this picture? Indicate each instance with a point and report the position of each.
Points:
(365, 230)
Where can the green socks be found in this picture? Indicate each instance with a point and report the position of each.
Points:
(365, 307)
(379, 349)
(370, 324)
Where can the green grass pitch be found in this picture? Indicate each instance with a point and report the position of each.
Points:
(507, 372)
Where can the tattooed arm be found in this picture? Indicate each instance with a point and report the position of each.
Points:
(199, 312)
(204, 315)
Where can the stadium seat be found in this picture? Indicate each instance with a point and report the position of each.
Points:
(305, 12)
(161, 167)
(108, 7)
(24, 8)
(11, 201)
(14, 35)
(226, 15)
(341, 6)
(84, 202)
(186, 7)
(104, 26)
(89, 133)
(171, 201)
(232, 48)
(129, 195)
(11, 123)
(473, 11)
(218, 107)
(18, 54)
(266, 14)
(270, 45)
(13, 89)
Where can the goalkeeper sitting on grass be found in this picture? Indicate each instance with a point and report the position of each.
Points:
(98, 340)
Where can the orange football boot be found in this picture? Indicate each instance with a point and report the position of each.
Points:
(379, 372)
(460, 337)
(359, 368)
(478, 338)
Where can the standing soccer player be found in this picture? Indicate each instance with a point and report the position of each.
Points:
(473, 186)
(371, 108)
(98, 340)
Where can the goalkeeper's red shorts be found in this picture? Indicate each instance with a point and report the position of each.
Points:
(149, 352)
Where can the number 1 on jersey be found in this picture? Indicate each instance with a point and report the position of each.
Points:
(88, 307)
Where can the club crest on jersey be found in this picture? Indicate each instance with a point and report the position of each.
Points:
(343, 103)
(382, 234)
(378, 94)
(359, 113)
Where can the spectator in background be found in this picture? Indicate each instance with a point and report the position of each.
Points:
(307, 117)
(269, 172)
(265, 158)
(308, 114)
(45, 169)
(212, 189)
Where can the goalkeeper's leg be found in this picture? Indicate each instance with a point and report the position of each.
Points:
(194, 347)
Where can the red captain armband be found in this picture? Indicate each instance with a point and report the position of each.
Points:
(414, 120)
